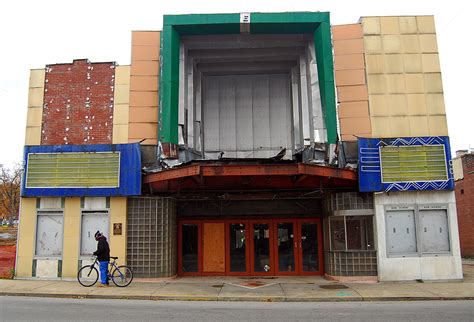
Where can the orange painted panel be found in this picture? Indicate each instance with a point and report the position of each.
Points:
(352, 93)
(213, 247)
(146, 38)
(348, 46)
(351, 31)
(353, 61)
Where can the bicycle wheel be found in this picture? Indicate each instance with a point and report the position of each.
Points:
(122, 276)
(87, 275)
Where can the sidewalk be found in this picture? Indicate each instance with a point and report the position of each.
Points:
(279, 289)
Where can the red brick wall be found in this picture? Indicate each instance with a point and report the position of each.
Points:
(465, 206)
(7, 260)
(78, 103)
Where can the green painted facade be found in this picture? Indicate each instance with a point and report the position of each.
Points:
(175, 26)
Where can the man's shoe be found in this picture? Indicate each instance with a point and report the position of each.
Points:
(104, 285)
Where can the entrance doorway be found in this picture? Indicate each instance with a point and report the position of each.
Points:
(263, 247)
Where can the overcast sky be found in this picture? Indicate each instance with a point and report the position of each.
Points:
(36, 33)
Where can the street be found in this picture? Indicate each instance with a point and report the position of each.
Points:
(54, 309)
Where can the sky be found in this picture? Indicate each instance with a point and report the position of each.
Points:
(36, 33)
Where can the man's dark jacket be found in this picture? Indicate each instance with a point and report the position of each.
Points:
(103, 250)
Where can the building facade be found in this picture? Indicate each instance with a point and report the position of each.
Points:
(260, 144)
(463, 166)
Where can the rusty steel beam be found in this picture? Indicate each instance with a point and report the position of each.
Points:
(269, 170)
(249, 170)
(321, 171)
(188, 171)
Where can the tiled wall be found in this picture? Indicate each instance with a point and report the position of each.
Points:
(35, 107)
(403, 76)
(122, 105)
(144, 77)
(349, 65)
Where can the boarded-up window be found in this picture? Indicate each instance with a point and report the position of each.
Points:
(49, 233)
(73, 170)
(401, 234)
(434, 231)
(413, 163)
(92, 221)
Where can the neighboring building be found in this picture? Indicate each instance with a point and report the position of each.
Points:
(217, 152)
(463, 166)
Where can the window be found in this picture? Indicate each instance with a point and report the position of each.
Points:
(413, 163)
(351, 233)
(417, 230)
(49, 233)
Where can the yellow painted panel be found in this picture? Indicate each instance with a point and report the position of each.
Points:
(407, 25)
(426, 24)
(438, 125)
(72, 236)
(122, 94)
(378, 105)
(430, 63)
(400, 126)
(375, 64)
(389, 25)
(381, 127)
(121, 114)
(393, 63)
(122, 75)
(118, 215)
(34, 116)
(391, 44)
(410, 44)
(428, 43)
(419, 126)
(26, 237)
(416, 104)
(433, 83)
(395, 83)
(37, 77)
(435, 104)
(35, 97)
(373, 44)
(376, 84)
(120, 134)
(415, 83)
(397, 104)
(33, 135)
(371, 25)
(412, 63)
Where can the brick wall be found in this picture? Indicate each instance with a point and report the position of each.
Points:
(78, 103)
(464, 189)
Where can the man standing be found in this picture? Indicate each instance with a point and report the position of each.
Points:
(103, 256)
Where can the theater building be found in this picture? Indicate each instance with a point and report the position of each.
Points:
(248, 144)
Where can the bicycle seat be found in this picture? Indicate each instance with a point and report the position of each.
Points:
(112, 257)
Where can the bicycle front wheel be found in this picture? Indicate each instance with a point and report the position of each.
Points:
(122, 276)
(87, 275)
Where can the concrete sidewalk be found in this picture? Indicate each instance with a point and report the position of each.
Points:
(289, 289)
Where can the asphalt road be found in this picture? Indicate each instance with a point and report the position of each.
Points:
(54, 309)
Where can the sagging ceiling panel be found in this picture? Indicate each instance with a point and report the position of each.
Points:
(247, 116)
(249, 96)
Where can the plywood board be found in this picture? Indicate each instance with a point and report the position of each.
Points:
(214, 247)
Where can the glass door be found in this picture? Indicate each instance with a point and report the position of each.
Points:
(285, 233)
(310, 247)
(261, 250)
(237, 248)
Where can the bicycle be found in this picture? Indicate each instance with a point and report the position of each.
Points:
(88, 275)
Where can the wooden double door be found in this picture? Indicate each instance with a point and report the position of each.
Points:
(250, 247)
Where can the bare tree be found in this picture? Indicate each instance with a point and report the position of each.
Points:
(10, 183)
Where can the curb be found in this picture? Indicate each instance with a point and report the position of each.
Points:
(241, 299)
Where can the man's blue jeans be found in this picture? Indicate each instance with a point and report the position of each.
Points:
(103, 271)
